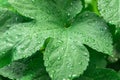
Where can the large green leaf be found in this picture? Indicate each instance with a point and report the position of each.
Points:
(110, 10)
(69, 35)
(31, 68)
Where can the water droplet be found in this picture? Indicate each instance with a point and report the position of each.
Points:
(70, 76)
(16, 37)
(68, 14)
(74, 75)
(58, 58)
(85, 54)
(86, 15)
(71, 3)
(79, 63)
(65, 55)
(33, 0)
(65, 79)
(62, 48)
(53, 71)
(3, 52)
(51, 76)
(105, 28)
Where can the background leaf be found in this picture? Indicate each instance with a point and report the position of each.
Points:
(31, 68)
(110, 10)
(103, 74)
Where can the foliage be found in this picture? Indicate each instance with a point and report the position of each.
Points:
(59, 39)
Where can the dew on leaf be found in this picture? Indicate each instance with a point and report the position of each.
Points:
(65, 79)
(68, 14)
(58, 58)
(70, 76)
(74, 75)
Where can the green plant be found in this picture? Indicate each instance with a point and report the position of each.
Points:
(59, 39)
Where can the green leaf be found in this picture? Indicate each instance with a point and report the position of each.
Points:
(4, 4)
(58, 59)
(7, 18)
(119, 74)
(69, 35)
(48, 9)
(94, 32)
(26, 38)
(31, 68)
(97, 59)
(3, 78)
(103, 74)
(110, 10)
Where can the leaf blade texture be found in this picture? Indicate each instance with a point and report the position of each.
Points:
(110, 10)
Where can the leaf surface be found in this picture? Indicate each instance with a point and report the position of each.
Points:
(45, 10)
(110, 10)
(7, 18)
(65, 59)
